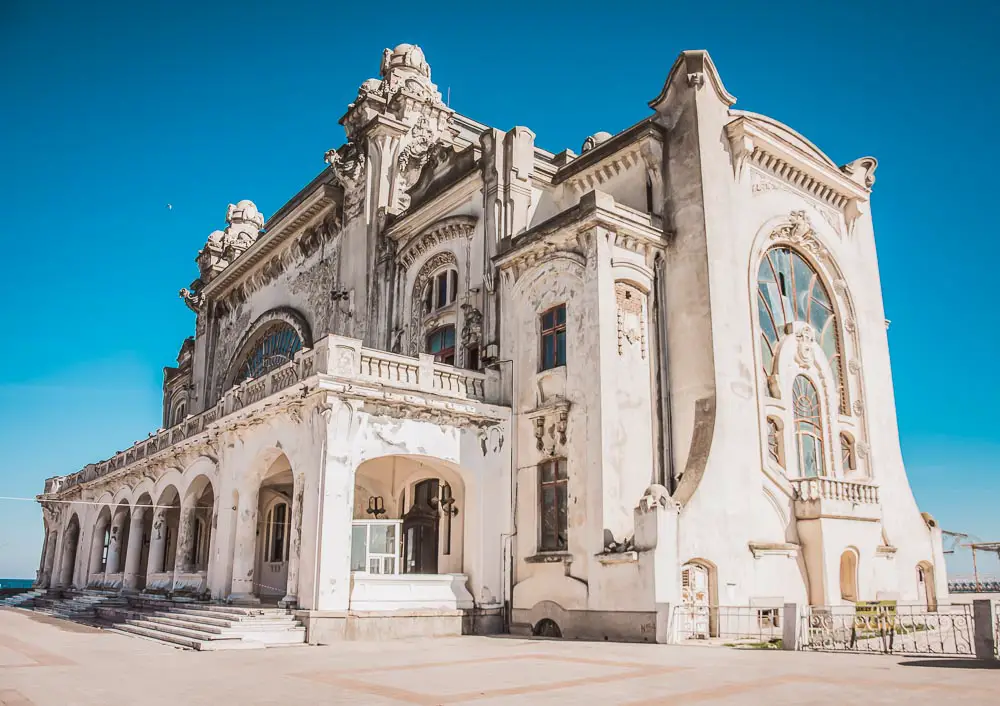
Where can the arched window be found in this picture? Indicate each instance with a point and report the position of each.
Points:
(808, 428)
(848, 455)
(441, 290)
(276, 345)
(849, 576)
(790, 290)
(276, 548)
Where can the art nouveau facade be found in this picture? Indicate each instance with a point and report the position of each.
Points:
(459, 375)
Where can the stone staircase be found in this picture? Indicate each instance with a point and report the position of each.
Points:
(79, 606)
(217, 627)
(20, 599)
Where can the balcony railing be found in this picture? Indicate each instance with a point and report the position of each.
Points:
(369, 365)
(834, 489)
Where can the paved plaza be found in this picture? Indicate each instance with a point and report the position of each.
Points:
(50, 662)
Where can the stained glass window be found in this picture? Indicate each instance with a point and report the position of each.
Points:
(553, 505)
(276, 346)
(789, 290)
(808, 428)
(554, 337)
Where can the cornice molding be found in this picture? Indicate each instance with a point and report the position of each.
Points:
(450, 228)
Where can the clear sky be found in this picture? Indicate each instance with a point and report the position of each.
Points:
(109, 111)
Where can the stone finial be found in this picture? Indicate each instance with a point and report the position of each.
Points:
(656, 496)
(406, 58)
(244, 213)
(594, 140)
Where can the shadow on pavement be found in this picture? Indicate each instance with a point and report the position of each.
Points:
(953, 663)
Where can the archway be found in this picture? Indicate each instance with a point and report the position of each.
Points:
(274, 518)
(163, 541)
(99, 543)
(409, 515)
(699, 597)
(849, 576)
(71, 542)
(926, 590)
(203, 523)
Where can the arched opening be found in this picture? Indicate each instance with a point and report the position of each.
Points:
(201, 500)
(163, 553)
(849, 576)
(416, 505)
(274, 518)
(407, 541)
(99, 543)
(546, 627)
(699, 598)
(926, 590)
(71, 542)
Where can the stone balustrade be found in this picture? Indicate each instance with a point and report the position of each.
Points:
(834, 489)
(373, 366)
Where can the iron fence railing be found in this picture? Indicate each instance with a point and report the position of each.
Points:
(736, 625)
(903, 629)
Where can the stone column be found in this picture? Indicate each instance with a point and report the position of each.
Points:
(245, 553)
(50, 558)
(295, 542)
(336, 513)
(184, 557)
(157, 544)
(115, 544)
(40, 574)
(133, 553)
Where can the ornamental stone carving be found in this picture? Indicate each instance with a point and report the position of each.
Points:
(805, 347)
(799, 232)
(472, 326)
(436, 262)
(631, 317)
(244, 226)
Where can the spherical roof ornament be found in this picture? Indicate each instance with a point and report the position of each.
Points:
(594, 140)
(408, 57)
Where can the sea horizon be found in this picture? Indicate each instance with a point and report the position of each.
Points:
(16, 583)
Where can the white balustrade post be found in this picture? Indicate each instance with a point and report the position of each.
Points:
(790, 627)
(982, 628)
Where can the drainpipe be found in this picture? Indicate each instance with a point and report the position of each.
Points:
(668, 479)
(507, 540)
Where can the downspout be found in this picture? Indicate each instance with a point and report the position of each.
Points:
(668, 479)
(507, 540)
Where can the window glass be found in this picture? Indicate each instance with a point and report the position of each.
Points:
(277, 345)
(441, 343)
(553, 349)
(789, 289)
(553, 505)
(808, 428)
(359, 541)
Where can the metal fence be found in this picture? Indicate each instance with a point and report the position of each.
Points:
(750, 626)
(909, 629)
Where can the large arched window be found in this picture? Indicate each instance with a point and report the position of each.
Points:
(276, 345)
(808, 428)
(790, 290)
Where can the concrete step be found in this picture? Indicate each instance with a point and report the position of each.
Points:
(188, 642)
(230, 617)
(182, 631)
(222, 623)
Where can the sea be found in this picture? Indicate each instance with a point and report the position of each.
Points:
(16, 583)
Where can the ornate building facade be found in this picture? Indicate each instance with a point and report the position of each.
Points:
(460, 378)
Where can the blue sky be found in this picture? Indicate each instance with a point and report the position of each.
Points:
(112, 110)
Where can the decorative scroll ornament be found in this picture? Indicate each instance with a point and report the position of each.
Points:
(799, 231)
(805, 348)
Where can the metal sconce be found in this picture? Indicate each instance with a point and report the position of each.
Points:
(376, 506)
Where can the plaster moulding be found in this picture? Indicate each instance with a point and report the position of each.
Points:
(783, 549)
(751, 144)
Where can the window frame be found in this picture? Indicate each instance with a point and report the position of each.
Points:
(808, 425)
(270, 555)
(559, 481)
(431, 300)
(445, 352)
(553, 332)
